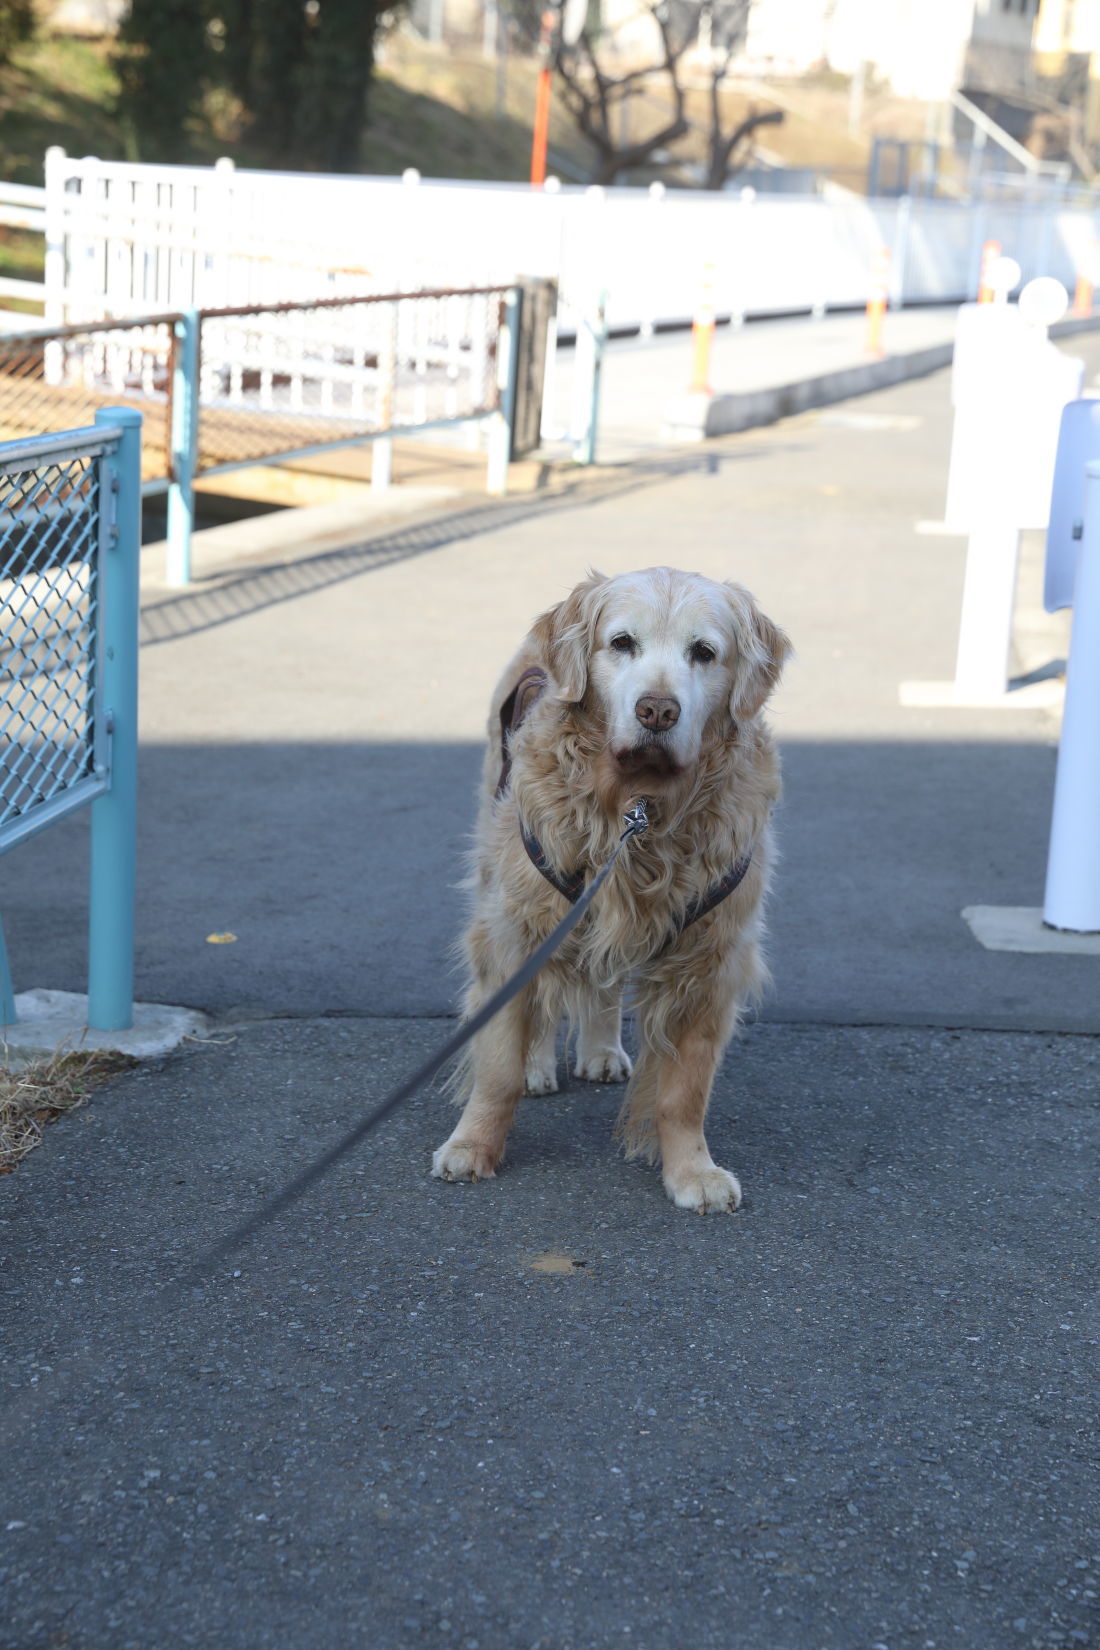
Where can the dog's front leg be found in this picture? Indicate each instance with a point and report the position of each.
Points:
(476, 1146)
(692, 1178)
(667, 1101)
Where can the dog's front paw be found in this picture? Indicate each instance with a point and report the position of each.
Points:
(606, 1065)
(709, 1191)
(464, 1160)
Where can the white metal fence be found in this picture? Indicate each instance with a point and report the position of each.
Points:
(124, 238)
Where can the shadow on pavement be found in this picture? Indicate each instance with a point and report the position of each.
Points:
(235, 594)
(337, 868)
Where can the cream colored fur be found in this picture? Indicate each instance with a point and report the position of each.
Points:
(578, 761)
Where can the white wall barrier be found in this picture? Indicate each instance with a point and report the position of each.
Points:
(1072, 897)
(124, 238)
(1009, 386)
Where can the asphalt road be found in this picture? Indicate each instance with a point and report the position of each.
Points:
(312, 735)
(551, 1410)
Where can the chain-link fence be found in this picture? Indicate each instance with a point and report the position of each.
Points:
(49, 583)
(58, 379)
(69, 515)
(278, 379)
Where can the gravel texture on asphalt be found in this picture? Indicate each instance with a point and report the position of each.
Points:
(549, 1410)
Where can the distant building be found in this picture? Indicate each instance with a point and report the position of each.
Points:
(92, 17)
(1067, 58)
(922, 49)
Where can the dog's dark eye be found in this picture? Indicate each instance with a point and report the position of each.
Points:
(701, 653)
(623, 643)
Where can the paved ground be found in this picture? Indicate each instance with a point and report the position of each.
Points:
(312, 732)
(644, 378)
(858, 1413)
(770, 364)
(550, 1410)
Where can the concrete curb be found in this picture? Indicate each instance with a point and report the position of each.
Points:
(699, 417)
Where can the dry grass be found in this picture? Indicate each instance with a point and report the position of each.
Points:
(40, 1093)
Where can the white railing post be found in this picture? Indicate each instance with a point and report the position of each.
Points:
(502, 422)
(381, 452)
(900, 259)
(587, 368)
(1072, 899)
(54, 272)
(222, 271)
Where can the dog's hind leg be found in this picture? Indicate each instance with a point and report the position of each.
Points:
(474, 1149)
(601, 1057)
(542, 1060)
(542, 1045)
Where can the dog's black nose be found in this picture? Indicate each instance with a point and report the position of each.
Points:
(657, 712)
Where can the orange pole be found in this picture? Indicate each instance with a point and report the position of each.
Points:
(1082, 297)
(990, 251)
(540, 136)
(877, 299)
(542, 128)
(702, 335)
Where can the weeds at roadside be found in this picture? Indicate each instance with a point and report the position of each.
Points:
(38, 1094)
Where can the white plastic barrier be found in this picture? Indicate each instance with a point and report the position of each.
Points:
(1009, 386)
(127, 238)
(1072, 897)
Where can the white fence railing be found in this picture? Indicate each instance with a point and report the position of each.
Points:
(126, 238)
(22, 206)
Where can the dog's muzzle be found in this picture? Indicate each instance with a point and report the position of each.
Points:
(650, 758)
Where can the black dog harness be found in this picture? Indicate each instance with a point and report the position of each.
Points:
(514, 711)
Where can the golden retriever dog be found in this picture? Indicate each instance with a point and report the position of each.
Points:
(649, 685)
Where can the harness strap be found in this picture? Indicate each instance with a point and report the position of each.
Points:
(572, 886)
(716, 893)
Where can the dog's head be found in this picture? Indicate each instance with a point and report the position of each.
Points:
(667, 658)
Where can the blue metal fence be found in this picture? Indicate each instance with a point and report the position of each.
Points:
(70, 532)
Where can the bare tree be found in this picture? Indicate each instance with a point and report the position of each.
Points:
(665, 44)
(597, 79)
(724, 24)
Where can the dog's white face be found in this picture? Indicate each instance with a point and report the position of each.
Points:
(662, 664)
(664, 655)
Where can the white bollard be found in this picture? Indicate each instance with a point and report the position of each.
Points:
(985, 624)
(1072, 898)
(381, 462)
(1009, 386)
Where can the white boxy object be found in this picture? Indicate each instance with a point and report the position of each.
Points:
(1078, 446)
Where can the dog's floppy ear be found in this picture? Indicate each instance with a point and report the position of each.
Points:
(762, 649)
(566, 634)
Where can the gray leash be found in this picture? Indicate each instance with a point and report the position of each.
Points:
(151, 1313)
(637, 821)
